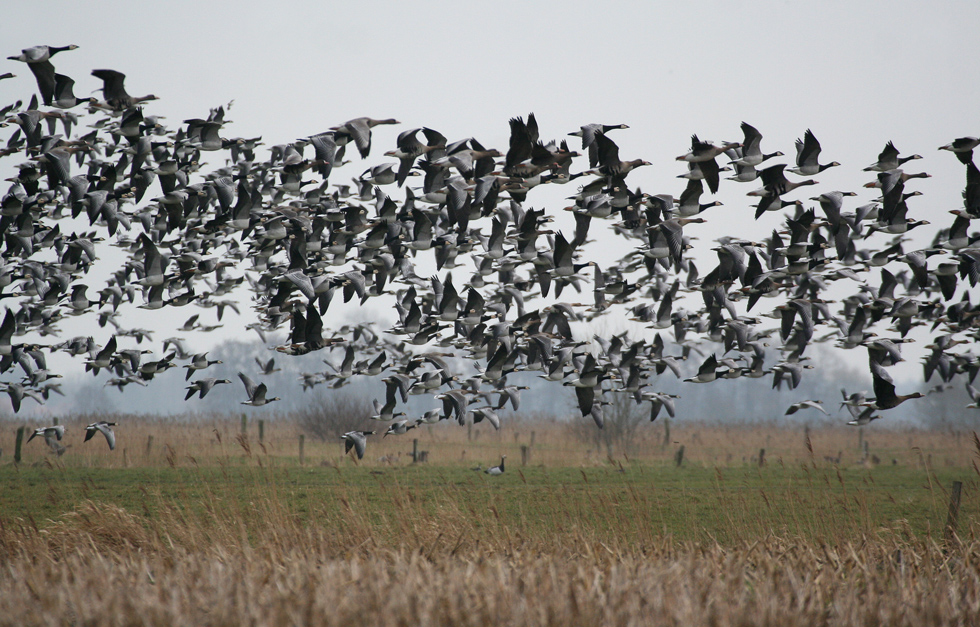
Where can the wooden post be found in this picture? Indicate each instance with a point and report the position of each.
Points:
(532, 438)
(415, 450)
(57, 421)
(244, 424)
(261, 429)
(525, 454)
(954, 512)
(762, 457)
(302, 441)
(149, 444)
(18, 444)
(679, 456)
(666, 432)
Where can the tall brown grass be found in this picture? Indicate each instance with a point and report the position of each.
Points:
(104, 566)
(204, 439)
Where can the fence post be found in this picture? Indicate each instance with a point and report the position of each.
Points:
(18, 444)
(302, 441)
(762, 457)
(666, 432)
(525, 454)
(149, 444)
(679, 456)
(954, 512)
(415, 450)
(532, 438)
(261, 429)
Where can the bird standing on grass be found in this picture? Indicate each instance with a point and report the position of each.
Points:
(497, 470)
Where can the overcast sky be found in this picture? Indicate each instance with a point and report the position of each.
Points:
(857, 73)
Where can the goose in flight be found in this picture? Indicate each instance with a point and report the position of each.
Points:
(888, 159)
(962, 147)
(202, 386)
(807, 153)
(105, 428)
(399, 427)
(38, 54)
(359, 129)
(52, 436)
(38, 58)
(57, 432)
(795, 407)
(256, 392)
(356, 440)
(114, 90)
(884, 387)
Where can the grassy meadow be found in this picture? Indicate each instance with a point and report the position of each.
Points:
(196, 522)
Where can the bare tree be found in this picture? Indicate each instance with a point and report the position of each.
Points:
(331, 414)
(622, 419)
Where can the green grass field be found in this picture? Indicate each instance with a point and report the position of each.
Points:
(616, 503)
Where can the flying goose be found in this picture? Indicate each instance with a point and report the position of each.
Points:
(750, 153)
(105, 429)
(399, 427)
(884, 387)
(795, 407)
(114, 91)
(202, 386)
(359, 129)
(256, 392)
(356, 440)
(51, 435)
(807, 153)
(963, 148)
(38, 58)
(888, 159)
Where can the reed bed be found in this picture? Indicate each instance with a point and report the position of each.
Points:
(149, 441)
(211, 526)
(105, 566)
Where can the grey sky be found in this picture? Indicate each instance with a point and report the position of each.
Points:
(858, 74)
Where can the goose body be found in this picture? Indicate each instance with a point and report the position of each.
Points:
(495, 471)
(807, 154)
(356, 440)
(39, 54)
(105, 428)
(256, 392)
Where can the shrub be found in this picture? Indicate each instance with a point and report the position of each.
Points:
(332, 414)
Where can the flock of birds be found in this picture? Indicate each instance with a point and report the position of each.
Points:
(280, 227)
